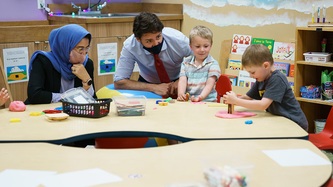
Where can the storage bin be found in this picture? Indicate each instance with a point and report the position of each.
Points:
(92, 110)
(317, 57)
(319, 124)
(130, 105)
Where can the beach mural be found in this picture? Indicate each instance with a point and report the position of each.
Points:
(255, 13)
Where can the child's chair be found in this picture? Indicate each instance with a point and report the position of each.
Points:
(324, 139)
(329, 183)
(222, 86)
(127, 142)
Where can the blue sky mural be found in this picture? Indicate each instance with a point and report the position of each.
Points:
(276, 11)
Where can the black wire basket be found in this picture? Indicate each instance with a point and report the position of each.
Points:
(91, 110)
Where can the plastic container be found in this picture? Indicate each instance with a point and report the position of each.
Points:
(317, 57)
(77, 95)
(319, 125)
(100, 108)
(130, 105)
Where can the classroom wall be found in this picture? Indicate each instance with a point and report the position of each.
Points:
(26, 10)
(259, 18)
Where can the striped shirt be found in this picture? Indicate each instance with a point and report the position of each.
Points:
(197, 76)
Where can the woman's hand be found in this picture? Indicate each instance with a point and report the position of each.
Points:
(80, 71)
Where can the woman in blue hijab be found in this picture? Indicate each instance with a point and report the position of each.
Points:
(66, 66)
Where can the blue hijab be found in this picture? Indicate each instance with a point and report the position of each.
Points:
(62, 41)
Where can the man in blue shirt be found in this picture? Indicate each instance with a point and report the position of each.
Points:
(151, 39)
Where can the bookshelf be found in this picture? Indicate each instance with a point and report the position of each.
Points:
(225, 55)
(308, 39)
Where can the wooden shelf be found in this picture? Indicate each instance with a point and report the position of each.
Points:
(323, 64)
(309, 73)
(315, 101)
(315, 28)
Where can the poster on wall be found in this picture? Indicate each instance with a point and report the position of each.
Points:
(16, 64)
(239, 43)
(107, 58)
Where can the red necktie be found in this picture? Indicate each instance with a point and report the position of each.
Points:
(162, 74)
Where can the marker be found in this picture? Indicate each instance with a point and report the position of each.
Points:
(313, 13)
(324, 13)
(318, 15)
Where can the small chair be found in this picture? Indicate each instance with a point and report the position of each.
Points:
(329, 183)
(223, 85)
(127, 142)
(324, 139)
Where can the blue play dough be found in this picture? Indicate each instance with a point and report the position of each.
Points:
(248, 122)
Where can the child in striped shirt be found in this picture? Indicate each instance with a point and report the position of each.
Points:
(199, 71)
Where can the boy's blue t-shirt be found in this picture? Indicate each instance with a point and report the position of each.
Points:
(277, 88)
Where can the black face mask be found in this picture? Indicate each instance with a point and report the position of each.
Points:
(156, 49)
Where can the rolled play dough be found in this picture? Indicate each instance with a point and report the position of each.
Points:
(240, 114)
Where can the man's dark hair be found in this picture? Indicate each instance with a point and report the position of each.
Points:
(146, 22)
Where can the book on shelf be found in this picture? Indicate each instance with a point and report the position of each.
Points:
(239, 43)
(283, 67)
(234, 62)
(291, 70)
(291, 83)
(284, 51)
(244, 79)
(292, 86)
(267, 42)
(233, 79)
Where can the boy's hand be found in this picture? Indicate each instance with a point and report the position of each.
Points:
(183, 97)
(4, 96)
(230, 97)
(196, 99)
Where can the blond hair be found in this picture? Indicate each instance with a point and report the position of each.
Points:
(256, 55)
(203, 32)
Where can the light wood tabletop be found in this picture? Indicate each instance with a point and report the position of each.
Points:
(183, 121)
(174, 165)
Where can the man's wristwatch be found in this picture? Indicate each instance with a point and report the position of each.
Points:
(88, 82)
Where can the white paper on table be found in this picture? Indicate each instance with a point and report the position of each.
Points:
(27, 178)
(81, 178)
(296, 157)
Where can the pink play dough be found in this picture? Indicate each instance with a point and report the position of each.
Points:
(17, 106)
(224, 114)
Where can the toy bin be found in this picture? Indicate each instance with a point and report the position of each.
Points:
(130, 105)
(317, 57)
(92, 110)
(319, 124)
